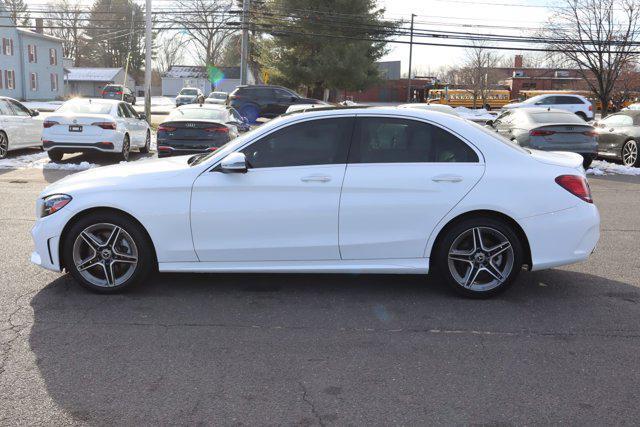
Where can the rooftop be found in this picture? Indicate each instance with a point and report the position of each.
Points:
(87, 74)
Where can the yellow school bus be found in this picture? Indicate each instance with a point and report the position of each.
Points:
(463, 98)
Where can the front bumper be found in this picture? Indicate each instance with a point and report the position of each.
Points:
(46, 239)
(563, 237)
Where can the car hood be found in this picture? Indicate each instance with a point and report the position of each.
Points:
(558, 158)
(123, 174)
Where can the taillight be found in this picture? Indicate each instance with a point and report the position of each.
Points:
(105, 125)
(49, 123)
(541, 132)
(104, 92)
(119, 93)
(591, 133)
(212, 148)
(576, 185)
(219, 129)
(590, 107)
(163, 148)
(166, 128)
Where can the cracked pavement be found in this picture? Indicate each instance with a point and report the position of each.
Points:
(561, 346)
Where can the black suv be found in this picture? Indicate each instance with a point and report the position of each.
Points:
(119, 92)
(265, 101)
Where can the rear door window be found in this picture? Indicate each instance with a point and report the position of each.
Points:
(5, 109)
(567, 100)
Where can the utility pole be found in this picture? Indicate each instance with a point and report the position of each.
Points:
(244, 51)
(410, 58)
(147, 63)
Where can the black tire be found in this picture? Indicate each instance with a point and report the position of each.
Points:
(126, 149)
(145, 255)
(147, 144)
(55, 156)
(630, 154)
(4, 145)
(458, 232)
(582, 115)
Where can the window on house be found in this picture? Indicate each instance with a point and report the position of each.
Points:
(9, 79)
(33, 53)
(7, 46)
(1, 85)
(53, 56)
(54, 82)
(34, 81)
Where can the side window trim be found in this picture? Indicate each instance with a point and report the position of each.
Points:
(475, 149)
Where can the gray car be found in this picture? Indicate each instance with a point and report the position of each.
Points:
(189, 95)
(619, 137)
(548, 130)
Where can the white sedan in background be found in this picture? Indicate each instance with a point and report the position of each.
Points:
(95, 125)
(19, 127)
(363, 190)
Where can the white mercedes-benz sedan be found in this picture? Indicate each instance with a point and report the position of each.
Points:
(19, 127)
(365, 190)
(95, 125)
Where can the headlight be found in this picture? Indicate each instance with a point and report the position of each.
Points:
(52, 204)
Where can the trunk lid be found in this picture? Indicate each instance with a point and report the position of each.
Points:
(558, 158)
(83, 124)
(563, 133)
(211, 131)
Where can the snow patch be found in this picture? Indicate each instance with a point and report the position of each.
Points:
(602, 167)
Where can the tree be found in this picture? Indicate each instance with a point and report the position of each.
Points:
(115, 32)
(206, 27)
(316, 46)
(478, 73)
(17, 11)
(67, 17)
(169, 52)
(598, 38)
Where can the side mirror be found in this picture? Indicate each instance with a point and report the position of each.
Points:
(142, 116)
(294, 99)
(34, 113)
(234, 163)
(489, 123)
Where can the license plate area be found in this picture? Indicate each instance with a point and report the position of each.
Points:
(75, 128)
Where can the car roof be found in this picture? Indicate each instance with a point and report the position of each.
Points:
(205, 106)
(96, 100)
(540, 110)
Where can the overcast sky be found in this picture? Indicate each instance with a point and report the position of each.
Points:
(521, 14)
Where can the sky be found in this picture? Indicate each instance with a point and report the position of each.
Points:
(466, 14)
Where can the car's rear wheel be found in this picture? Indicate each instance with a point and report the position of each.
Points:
(107, 252)
(55, 156)
(479, 257)
(4, 145)
(250, 112)
(147, 144)
(630, 153)
(582, 115)
(126, 149)
(586, 162)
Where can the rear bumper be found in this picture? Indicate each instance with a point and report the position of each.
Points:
(584, 149)
(79, 147)
(564, 237)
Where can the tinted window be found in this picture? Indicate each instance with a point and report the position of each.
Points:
(387, 140)
(198, 113)
(556, 117)
(316, 142)
(567, 100)
(124, 110)
(261, 92)
(132, 112)
(113, 88)
(189, 92)
(281, 93)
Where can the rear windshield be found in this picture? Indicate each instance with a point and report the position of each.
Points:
(113, 88)
(218, 95)
(188, 92)
(85, 107)
(556, 117)
(197, 113)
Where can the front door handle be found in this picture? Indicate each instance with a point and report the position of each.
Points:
(447, 178)
(316, 178)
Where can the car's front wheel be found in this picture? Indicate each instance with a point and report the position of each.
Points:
(147, 144)
(55, 156)
(126, 149)
(107, 252)
(479, 257)
(630, 154)
(4, 145)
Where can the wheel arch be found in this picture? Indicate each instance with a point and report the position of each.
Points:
(81, 214)
(485, 213)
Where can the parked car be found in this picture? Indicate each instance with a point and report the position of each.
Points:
(479, 116)
(216, 98)
(441, 108)
(265, 101)
(120, 93)
(19, 127)
(548, 130)
(95, 125)
(307, 193)
(189, 95)
(576, 104)
(634, 106)
(191, 129)
(619, 137)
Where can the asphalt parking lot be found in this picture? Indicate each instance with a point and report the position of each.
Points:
(561, 346)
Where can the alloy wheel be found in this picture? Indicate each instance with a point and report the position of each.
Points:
(125, 149)
(105, 255)
(630, 153)
(4, 146)
(480, 259)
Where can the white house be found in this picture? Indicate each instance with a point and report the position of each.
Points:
(224, 79)
(88, 82)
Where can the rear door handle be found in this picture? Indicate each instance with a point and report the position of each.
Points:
(447, 178)
(316, 178)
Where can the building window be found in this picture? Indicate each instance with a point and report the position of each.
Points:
(53, 56)
(1, 87)
(34, 81)
(54, 82)
(33, 53)
(9, 79)
(7, 46)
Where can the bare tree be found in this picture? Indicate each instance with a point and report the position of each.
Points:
(18, 11)
(478, 72)
(206, 27)
(66, 18)
(627, 86)
(169, 52)
(598, 38)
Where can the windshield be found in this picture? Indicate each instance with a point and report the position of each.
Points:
(197, 113)
(218, 95)
(190, 92)
(86, 107)
(556, 117)
(534, 99)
